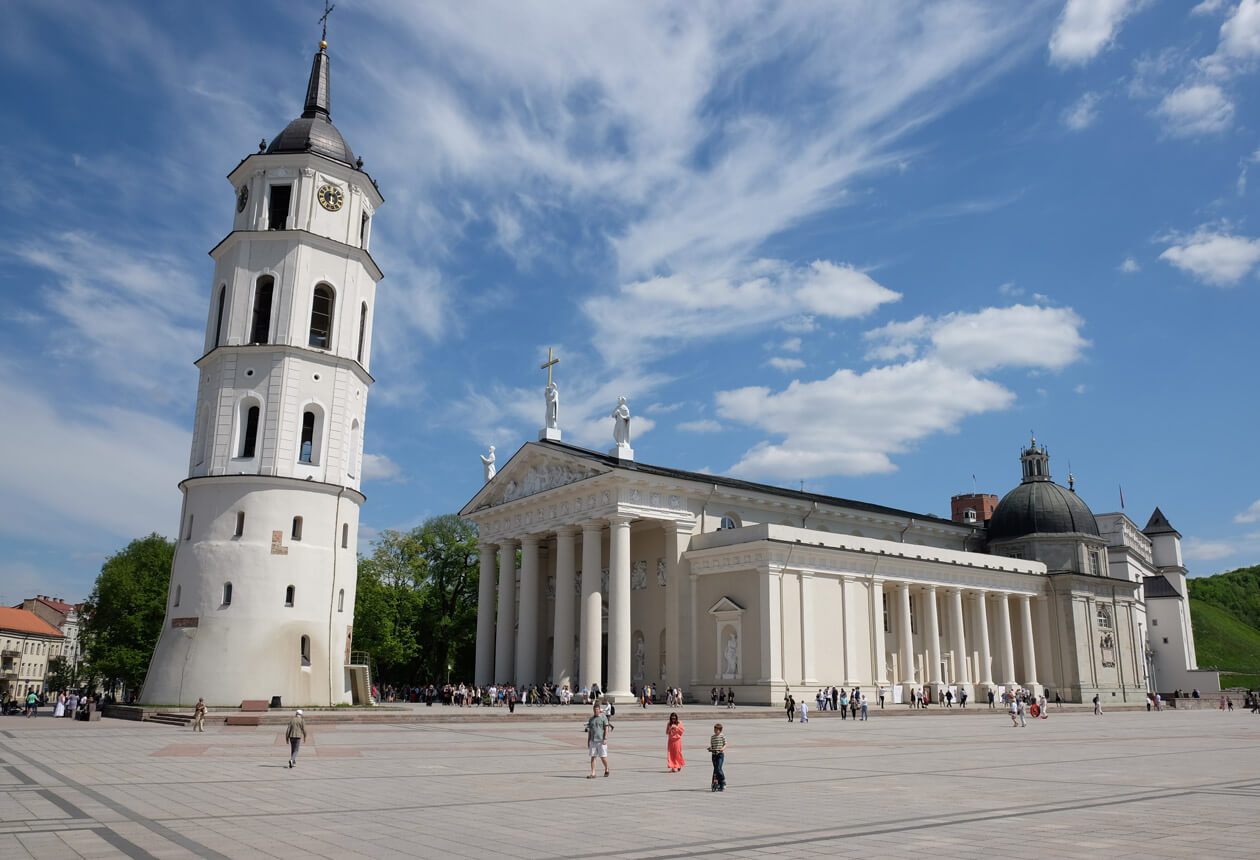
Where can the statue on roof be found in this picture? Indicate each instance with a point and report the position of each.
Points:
(621, 423)
(487, 462)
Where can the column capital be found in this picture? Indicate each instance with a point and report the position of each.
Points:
(929, 587)
(619, 519)
(507, 543)
(567, 531)
(530, 541)
(953, 589)
(486, 545)
(593, 526)
(903, 585)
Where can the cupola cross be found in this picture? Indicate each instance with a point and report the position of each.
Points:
(551, 362)
(323, 19)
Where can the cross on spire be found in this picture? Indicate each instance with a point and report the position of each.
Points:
(549, 363)
(323, 20)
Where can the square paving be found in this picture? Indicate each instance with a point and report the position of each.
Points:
(1171, 784)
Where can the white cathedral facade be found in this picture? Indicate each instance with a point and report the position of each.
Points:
(631, 573)
(261, 596)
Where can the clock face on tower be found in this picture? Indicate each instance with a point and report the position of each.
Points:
(330, 197)
(242, 197)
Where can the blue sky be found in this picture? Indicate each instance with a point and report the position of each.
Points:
(866, 246)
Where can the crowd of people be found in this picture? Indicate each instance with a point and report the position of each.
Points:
(74, 704)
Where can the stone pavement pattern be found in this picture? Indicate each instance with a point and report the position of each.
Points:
(1155, 785)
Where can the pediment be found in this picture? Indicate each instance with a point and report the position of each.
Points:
(725, 605)
(531, 471)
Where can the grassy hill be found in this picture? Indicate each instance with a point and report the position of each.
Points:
(1237, 592)
(1224, 641)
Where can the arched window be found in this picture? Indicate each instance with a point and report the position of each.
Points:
(297, 528)
(341, 600)
(179, 591)
(249, 430)
(288, 596)
(218, 317)
(307, 452)
(362, 329)
(306, 650)
(345, 535)
(321, 317)
(260, 330)
(729, 521)
(188, 528)
(227, 594)
(352, 454)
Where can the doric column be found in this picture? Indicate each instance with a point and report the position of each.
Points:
(1030, 653)
(678, 608)
(619, 606)
(958, 637)
(591, 637)
(527, 624)
(847, 631)
(905, 634)
(771, 630)
(1005, 640)
(879, 649)
(933, 636)
(562, 632)
(805, 586)
(483, 673)
(693, 662)
(984, 675)
(505, 632)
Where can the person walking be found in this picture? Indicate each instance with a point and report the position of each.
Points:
(804, 711)
(60, 709)
(790, 707)
(730, 699)
(990, 698)
(32, 704)
(597, 729)
(1097, 706)
(1022, 708)
(296, 733)
(673, 745)
(865, 708)
(199, 716)
(717, 749)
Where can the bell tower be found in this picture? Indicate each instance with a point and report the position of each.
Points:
(262, 588)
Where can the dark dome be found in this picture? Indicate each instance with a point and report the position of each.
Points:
(1041, 507)
(313, 131)
(313, 134)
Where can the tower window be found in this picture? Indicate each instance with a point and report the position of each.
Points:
(288, 596)
(365, 224)
(321, 317)
(345, 535)
(306, 650)
(179, 591)
(249, 435)
(278, 207)
(341, 600)
(218, 317)
(1093, 563)
(188, 528)
(306, 455)
(227, 594)
(260, 330)
(297, 528)
(362, 330)
(240, 524)
(352, 454)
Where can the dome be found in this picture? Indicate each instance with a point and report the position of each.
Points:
(1041, 507)
(313, 131)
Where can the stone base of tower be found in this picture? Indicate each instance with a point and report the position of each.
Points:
(264, 613)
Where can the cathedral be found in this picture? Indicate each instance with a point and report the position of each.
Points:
(261, 598)
(631, 573)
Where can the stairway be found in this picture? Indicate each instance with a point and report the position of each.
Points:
(167, 718)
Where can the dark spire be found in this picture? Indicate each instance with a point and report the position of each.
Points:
(317, 86)
(1158, 525)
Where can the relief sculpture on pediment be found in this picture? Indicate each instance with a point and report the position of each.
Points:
(541, 477)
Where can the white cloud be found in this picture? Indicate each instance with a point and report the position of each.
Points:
(1009, 289)
(1080, 389)
(1086, 27)
(1208, 7)
(1129, 266)
(703, 425)
(850, 423)
(1239, 45)
(1198, 549)
(1196, 109)
(792, 344)
(787, 365)
(1251, 515)
(378, 467)
(1082, 113)
(1016, 336)
(673, 310)
(663, 408)
(1213, 257)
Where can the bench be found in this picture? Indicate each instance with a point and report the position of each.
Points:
(255, 705)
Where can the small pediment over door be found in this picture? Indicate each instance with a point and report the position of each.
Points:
(725, 606)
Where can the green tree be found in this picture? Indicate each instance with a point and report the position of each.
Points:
(62, 674)
(416, 602)
(123, 616)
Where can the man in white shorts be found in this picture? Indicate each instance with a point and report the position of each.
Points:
(597, 729)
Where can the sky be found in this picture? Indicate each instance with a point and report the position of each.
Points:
(861, 247)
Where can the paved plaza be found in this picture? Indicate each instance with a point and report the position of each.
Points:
(1172, 784)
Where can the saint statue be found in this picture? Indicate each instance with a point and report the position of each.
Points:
(487, 462)
(730, 658)
(621, 423)
(640, 659)
(553, 406)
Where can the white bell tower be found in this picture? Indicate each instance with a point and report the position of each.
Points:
(261, 598)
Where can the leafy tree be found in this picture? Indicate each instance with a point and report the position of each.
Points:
(1237, 592)
(62, 674)
(123, 616)
(416, 603)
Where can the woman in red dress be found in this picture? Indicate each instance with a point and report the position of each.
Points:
(673, 748)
